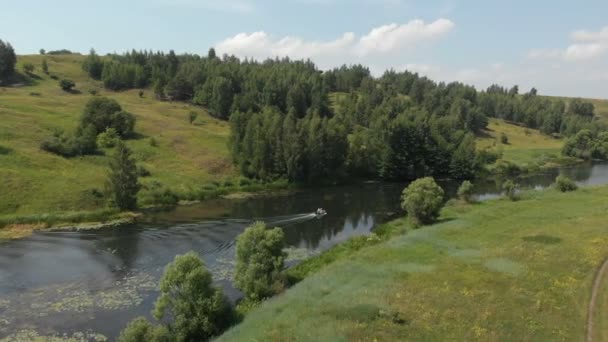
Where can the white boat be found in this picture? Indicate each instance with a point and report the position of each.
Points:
(320, 213)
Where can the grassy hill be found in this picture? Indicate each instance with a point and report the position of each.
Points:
(34, 181)
(493, 271)
(525, 146)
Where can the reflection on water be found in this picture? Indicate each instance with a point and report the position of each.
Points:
(65, 282)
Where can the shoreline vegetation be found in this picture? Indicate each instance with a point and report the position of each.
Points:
(16, 227)
(472, 251)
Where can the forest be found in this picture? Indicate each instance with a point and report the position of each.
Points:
(291, 120)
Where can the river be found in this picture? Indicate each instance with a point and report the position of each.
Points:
(67, 282)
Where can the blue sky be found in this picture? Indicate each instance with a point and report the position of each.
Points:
(560, 47)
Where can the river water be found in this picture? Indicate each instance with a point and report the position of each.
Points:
(70, 282)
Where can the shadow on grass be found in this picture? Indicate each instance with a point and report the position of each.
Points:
(18, 80)
(5, 150)
(485, 134)
(137, 136)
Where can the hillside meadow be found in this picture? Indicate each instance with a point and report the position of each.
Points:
(493, 271)
(185, 157)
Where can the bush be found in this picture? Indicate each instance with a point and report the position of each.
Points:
(152, 142)
(504, 139)
(141, 93)
(510, 189)
(196, 308)
(28, 68)
(487, 156)
(507, 168)
(103, 113)
(93, 91)
(108, 139)
(45, 66)
(54, 77)
(259, 261)
(142, 171)
(141, 330)
(465, 191)
(565, 184)
(192, 117)
(422, 200)
(67, 85)
(83, 142)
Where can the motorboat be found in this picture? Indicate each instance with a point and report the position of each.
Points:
(320, 213)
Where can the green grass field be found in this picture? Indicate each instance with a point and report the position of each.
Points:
(525, 146)
(494, 271)
(34, 181)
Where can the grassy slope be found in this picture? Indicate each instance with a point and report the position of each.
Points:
(525, 145)
(34, 181)
(494, 271)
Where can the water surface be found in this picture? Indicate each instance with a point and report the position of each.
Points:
(77, 281)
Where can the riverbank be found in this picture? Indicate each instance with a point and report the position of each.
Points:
(17, 227)
(495, 270)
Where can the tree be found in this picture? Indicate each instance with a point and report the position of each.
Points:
(422, 200)
(28, 68)
(465, 191)
(462, 165)
(42, 51)
(192, 116)
(104, 113)
(197, 309)
(93, 65)
(565, 184)
(108, 139)
(67, 85)
(211, 54)
(45, 66)
(141, 330)
(123, 185)
(259, 261)
(8, 59)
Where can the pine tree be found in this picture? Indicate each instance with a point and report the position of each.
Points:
(122, 181)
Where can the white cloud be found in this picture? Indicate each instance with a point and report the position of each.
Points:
(387, 41)
(389, 38)
(587, 45)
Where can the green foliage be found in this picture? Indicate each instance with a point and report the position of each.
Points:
(93, 65)
(510, 189)
(141, 330)
(8, 59)
(463, 164)
(565, 184)
(28, 68)
(84, 141)
(504, 139)
(259, 261)
(196, 309)
(422, 200)
(465, 191)
(104, 113)
(579, 146)
(108, 139)
(506, 168)
(45, 66)
(42, 51)
(599, 149)
(123, 185)
(153, 142)
(192, 116)
(67, 85)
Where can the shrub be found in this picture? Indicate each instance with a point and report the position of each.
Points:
(510, 189)
(465, 191)
(507, 168)
(54, 77)
(45, 66)
(28, 68)
(83, 142)
(565, 184)
(142, 171)
(67, 85)
(152, 142)
(422, 200)
(487, 156)
(141, 93)
(197, 309)
(103, 112)
(108, 139)
(141, 330)
(259, 261)
(33, 93)
(192, 117)
(504, 139)
(93, 91)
